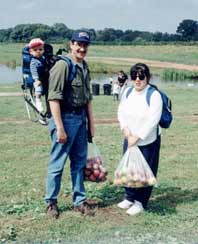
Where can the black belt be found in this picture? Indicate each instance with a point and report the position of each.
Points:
(77, 110)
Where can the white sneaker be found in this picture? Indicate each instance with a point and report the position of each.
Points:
(39, 105)
(125, 204)
(135, 209)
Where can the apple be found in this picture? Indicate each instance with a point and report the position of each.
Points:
(118, 182)
(102, 168)
(92, 178)
(98, 160)
(124, 179)
(96, 173)
(87, 172)
(95, 166)
(152, 181)
(89, 165)
(101, 175)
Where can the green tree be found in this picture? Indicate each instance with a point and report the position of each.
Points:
(188, 29)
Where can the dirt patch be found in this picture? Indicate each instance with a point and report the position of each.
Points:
(11, 94)
(152, 63)
(12, 121)
(111, 121)
(106, 121)
(193, 119)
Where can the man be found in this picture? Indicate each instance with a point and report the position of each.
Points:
(70, 104)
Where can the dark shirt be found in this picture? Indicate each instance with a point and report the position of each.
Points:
(122, 79)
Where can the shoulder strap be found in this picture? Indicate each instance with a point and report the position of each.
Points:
(129, 92)
(72, 67)
(150, 91)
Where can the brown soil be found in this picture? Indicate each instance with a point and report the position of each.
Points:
(152, 63)
(10, 94)
(112, 121)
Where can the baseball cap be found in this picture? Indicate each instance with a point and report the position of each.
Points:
(81, 36)
(36, 42)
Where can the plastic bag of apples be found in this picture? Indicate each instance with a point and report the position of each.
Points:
(133, 170)
(94, 170)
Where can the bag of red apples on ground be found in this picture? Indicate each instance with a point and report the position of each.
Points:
(94, 170)
(133, 170)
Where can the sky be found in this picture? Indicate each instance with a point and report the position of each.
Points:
(143, 15)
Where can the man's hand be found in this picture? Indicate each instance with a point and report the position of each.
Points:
(132, 140)
(61, 136)
(90, 132)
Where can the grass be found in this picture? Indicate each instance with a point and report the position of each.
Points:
(24, 148)
(98, 57)
(174, 75)
(185, 54)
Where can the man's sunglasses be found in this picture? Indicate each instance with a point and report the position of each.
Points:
(140, 76)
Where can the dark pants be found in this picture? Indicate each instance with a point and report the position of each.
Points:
(115, 96)
(151, 154)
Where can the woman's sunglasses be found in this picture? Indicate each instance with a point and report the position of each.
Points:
(140, 76)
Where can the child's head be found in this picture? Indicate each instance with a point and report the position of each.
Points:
(36, 47)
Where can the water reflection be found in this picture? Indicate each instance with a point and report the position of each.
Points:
(11, 64)
(12, 74)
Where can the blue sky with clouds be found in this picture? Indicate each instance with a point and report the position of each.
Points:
(144, 15)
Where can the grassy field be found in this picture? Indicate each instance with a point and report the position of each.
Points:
(172, 216)
(11, 53)
(110, 59)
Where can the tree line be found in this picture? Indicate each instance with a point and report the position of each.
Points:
(187, 30)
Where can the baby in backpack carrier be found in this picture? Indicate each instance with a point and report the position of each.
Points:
(37, 68)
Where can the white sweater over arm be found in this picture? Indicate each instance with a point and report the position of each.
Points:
(142, 119)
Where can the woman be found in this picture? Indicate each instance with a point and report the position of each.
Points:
(139, 124)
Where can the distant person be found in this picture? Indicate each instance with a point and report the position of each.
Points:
(111, 80)
(37, 69)
(122, 78)
(139, 124)
(123, 82)
(116, 90)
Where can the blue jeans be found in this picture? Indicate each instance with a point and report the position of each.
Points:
(76, 149)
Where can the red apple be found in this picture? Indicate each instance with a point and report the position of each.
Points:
(92, 178)
(101, 176)
(89, 165)
(87, 172)
(96, 173)
(95, 166)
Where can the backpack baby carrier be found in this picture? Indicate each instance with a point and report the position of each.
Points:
(167, 116)
(28, 88)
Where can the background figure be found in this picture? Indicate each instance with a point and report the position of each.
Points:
(123, 82)
(139, 124)
(110, 80)
(122, 78)
(116, 90)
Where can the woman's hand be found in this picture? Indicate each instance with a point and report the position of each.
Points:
(132, 140)
(61, 136)
(126, 132)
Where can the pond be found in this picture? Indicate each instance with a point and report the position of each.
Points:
(9, 75)
(12, 75)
